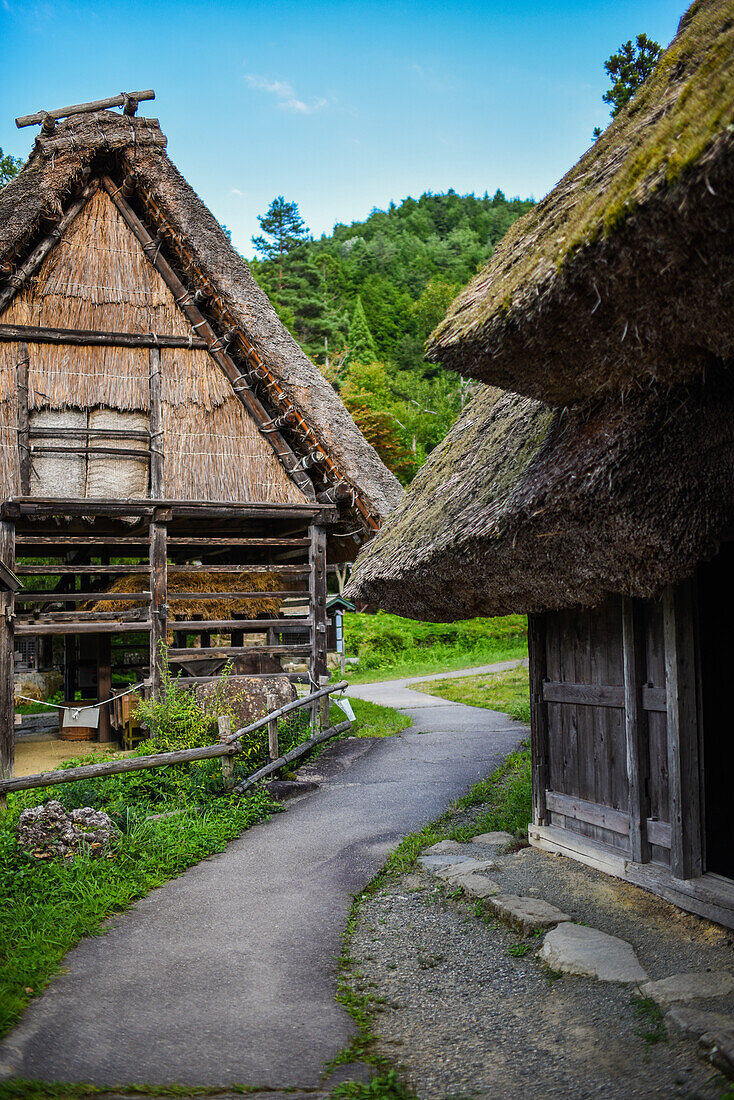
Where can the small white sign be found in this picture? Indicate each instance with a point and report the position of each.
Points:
(343, 703)
(74, 717)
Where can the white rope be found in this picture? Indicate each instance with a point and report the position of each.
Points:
(75, 711)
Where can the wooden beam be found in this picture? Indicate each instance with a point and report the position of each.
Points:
(7, 657)
(116, 541)
(180, 509)
(204, 653)
(63, 570)
(24, 456)
(104, 685)
(80, 597)
(636, 729)
(589, 695)
(157, 487)
(225, 626)
(188, 307)
(686, 853)
(158, 603)
(73, 626)
(658, 832)
(42, 249)
(317, 601)
(35, 334)
(538, 668)
(124, 99)
(590, 812)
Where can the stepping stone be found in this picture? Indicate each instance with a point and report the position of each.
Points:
(589, 953)
(718, 1047)
(689, 987)
(445, 846)
(466, 867)
(525, 913)
(478, 886)
(496, 839)
(694, 1022)
(440, 860)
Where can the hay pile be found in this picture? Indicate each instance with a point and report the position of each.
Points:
(237, 581)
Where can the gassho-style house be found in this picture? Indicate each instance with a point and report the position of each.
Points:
(172, 466)
(595, 489)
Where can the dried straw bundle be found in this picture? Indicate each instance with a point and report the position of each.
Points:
(241, 581)
(220, 455)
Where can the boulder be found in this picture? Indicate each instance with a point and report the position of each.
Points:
(48, 830)
(246, 696)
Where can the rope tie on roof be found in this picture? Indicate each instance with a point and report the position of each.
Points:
(199, 323)
(184, 300)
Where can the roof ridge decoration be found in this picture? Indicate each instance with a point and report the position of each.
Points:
(222, 301)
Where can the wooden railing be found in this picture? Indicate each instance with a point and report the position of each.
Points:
(227, 748)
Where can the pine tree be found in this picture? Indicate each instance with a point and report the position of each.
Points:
(360, 341)
(286, 229)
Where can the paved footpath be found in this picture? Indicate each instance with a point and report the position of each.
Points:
(227, 974)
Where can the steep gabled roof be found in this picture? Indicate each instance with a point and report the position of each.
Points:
(623, 273)
(527, 508)
(310, 414)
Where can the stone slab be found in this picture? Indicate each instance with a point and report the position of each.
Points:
(478, 886)
(695, 1022)
(589, 953)
(718, 1047)
(466, 867)
(445, 846)
(698, 986)
(526, 913)
(493, 839)
(441, 860)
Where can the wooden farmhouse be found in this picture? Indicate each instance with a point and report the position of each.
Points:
(173, 468)
(595, 489)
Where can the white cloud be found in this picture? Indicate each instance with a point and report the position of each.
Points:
(285, 95)
(236, 191)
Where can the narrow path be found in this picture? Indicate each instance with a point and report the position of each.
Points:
(227, 974)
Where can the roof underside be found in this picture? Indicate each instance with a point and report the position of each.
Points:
(527, 508)
(194, 243)
(629, 255)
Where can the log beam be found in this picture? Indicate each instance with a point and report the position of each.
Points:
(7, 659)
(33, 334)
(158, 603)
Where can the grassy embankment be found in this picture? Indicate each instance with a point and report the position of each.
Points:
(47, 905)
(390, 647)
(505, 691)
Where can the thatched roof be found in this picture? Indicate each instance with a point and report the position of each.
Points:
(630, 255)
(199, 249)
(528, 508)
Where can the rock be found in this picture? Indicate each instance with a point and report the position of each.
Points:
(445, 846)
(43, 683)
(246, 696)
(718, 1047)
(284, 789)
(496, 839)
(49, 831)
(478, 886)
(575, 949)
(28, 690)
(466, 867)
(441, 860)
(689, 987)
(526, 913)
(694, 1022)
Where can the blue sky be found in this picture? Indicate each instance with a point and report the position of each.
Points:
(341, 107)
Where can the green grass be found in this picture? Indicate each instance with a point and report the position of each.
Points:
(372, 720)
(390, 647)
(504, 691)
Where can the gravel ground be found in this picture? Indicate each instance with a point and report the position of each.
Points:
(462, 1017)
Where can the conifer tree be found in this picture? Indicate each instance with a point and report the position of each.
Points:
(285, 229)
(360, 341)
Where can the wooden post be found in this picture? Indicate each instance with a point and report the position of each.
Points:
(538, 716)
(156, 426)
(317, 601)
(686, 853)
(158, 601)
(323, 683)
(271, 704)
(636, 728)
(24, 447)
(104, 684)
(224, 728)
(7, 656)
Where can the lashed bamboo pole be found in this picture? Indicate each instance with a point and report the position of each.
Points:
(124, 99)
(33, 334)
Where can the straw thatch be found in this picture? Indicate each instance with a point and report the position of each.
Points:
(119, 290)
(236, 581)
(630, 255)
(527, 508)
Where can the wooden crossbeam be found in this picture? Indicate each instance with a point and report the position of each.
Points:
(35, 334)
(128, 100)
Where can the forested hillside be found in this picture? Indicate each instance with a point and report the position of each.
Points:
(363, 301)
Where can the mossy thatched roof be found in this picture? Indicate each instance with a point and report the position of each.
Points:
(528, 508)
(199, 249)
(623, 273)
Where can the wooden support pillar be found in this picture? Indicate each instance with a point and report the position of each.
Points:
(636, 728)
(7, 656)
(538, 716)
(104, 684)
(156, 426)
(24, 443)
(158, 601)
(686, 852)
(317, 602)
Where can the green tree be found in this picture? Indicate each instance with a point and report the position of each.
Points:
(9, 167)
(628, 69)
(360, 341)
(283, 230)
